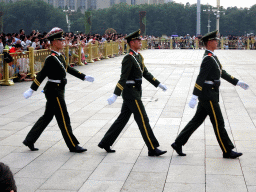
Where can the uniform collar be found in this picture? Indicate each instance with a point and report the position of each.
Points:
(211, 52)
(59, 54)
(136, 53)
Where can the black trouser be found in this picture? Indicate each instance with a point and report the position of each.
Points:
(212, 109)
(137, 108)
(55, 106)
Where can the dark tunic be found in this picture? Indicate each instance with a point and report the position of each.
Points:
(132, 68)
(210, 70)
(54, 68)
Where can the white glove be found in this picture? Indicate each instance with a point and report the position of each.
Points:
(28, 93)
(112, 99)
(162, 87)
(89, 78)
(243, 85)
(193, 101)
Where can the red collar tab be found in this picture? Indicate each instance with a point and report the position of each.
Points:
(53, 54)
(209, 54)
(131, 53)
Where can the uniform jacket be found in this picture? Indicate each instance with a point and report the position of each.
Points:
(210, 70)
(131, 70)
(54, 68)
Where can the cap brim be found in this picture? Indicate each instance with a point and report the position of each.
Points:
(136, 38)
(61, 38)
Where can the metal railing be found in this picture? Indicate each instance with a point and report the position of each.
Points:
(178, 43)
(31, 62)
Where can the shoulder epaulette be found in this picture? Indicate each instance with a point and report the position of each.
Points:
(53, 54)
(209, 54)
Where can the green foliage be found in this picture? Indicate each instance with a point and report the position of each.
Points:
(170, 18)
(31, 15)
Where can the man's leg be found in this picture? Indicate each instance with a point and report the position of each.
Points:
(40, 125)
(141, 118)
(117, 127)
(194, 123)
(63, 120)
(214, 111)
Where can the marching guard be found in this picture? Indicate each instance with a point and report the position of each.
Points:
(133, 69)
(55, 68)
(206, 90)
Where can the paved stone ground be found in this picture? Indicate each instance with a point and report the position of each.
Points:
(53, 168)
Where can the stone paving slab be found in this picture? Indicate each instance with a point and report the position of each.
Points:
(54, 169)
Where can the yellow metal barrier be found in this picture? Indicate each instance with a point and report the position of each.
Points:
(31, 62)
(90, 53)
(6, 79)
(115, 48)
(1, 67)
(66, 52)
(105, 50)
(39, 58)
(95, 51)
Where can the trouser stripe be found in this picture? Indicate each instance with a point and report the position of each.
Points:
(65, 122)
(217, 128)
(144, 124)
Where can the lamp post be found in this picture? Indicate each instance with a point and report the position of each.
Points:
(68, 12)
(198, 20)
(1, 22)
(217, 13)
(209, 10)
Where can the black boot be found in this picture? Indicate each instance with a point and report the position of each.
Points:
(178, 149)
(232, 155)
(30, 145)
(106, 147)
(156, 152)
(78, 149)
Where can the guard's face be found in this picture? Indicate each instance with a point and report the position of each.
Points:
(213, 44)
(58, 44)
(137, 43)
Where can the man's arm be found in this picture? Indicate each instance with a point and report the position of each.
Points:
(233, 80)
(205, 68)
(75, 73)
(229, 78)
(38, 79)
(127, 64)
(42, 74)
(149, 77)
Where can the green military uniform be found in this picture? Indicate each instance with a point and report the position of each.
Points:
(55, 68)
(208, 95)
(133, 69)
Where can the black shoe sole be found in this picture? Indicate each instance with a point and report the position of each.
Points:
(78, 151)
(175, 148)
(152, 154)
(29, 146)
(108, 151)
(231, 157)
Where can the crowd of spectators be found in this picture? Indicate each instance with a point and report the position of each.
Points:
(20, 42)
(189, 42)
(37, 39)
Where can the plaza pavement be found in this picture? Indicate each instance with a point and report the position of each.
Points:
(54, 169)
